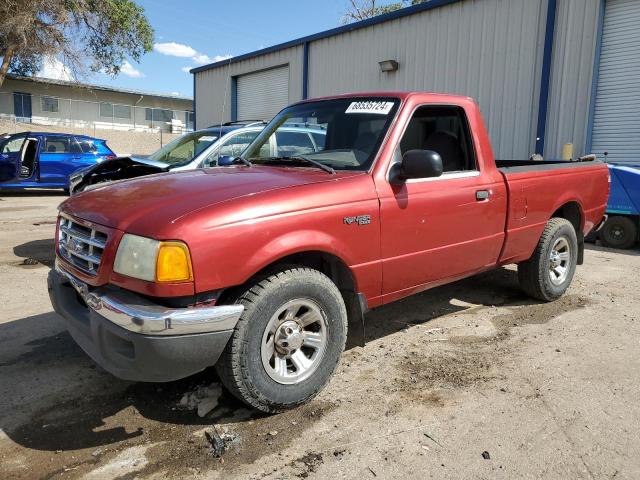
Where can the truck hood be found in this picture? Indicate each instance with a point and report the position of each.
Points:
(165, 197)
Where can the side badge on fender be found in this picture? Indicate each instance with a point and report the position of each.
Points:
(360, 220)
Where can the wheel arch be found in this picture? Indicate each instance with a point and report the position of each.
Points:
(573, 212)
(333, 267)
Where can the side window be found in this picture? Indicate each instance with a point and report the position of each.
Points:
(444, 130)
(293, 143)
(237, 144)
(87, 146)
(58, 144)
(74, 146)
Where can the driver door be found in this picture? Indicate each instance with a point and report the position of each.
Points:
(435, 229)
(11, 158)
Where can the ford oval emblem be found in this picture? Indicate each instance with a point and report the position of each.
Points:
(74, 245)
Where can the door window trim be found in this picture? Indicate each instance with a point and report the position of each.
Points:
(397, 155)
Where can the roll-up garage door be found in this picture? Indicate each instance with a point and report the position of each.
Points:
(616, 126)
(261, 95)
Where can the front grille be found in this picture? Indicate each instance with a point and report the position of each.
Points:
(81, 246)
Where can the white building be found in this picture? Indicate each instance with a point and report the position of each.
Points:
(545, 72)
(57, 102)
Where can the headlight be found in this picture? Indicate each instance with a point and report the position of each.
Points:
(151, 260)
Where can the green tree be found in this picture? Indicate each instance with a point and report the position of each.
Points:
(98, 35)
(361, 9)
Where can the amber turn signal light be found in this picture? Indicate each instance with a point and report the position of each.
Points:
(174, 263)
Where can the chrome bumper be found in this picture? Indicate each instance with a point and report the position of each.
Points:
(139, 315)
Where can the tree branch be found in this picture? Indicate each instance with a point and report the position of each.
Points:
(6, 60)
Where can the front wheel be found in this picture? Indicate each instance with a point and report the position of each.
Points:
(287, 342)
(549, 271)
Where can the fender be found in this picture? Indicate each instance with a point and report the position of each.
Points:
(298, 241)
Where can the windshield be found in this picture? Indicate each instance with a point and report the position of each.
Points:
(184, 149)
(343, 134)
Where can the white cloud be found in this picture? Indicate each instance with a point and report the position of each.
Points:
(130, 71)
(54, 69)
(174, 49)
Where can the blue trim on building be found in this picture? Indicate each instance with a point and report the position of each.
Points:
(595, 76)
(305, 71)
(234, 99)
(545, 79)
(403, 12)
(194, 102)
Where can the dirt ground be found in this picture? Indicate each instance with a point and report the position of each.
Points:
(470, 380)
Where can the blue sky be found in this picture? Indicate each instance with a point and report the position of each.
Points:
(200, 30)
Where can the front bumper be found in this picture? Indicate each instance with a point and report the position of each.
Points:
(135, 339)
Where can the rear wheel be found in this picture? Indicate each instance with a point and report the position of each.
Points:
(549, 271)
(619, 232)
(287, 342)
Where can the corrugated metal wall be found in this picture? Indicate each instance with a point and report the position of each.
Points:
(571, 76)
(213, 88)
(488, 49)
(616, 125)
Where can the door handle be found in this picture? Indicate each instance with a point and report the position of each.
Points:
(482, 195)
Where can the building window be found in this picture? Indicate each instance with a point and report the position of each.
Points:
(188, 119)
(158, 115)
(114, 111)
(49, 104)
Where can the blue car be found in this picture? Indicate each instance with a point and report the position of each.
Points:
(46, 160)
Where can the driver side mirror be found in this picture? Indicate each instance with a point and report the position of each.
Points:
(416, 164)
(225, 160)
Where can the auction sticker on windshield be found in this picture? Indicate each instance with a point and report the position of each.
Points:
(381, 108)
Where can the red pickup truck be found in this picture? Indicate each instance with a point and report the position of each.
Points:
(259, 268)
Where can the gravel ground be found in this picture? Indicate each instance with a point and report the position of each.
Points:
(470, 380)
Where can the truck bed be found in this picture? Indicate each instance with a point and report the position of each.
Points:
(518, 166)
(538, 188)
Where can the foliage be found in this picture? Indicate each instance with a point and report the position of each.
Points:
(98, 35)
(362, 9)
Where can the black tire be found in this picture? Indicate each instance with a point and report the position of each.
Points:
(619, 232)
(241, 368)
(534, 274)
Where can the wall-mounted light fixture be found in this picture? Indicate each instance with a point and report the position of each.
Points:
(388, 65)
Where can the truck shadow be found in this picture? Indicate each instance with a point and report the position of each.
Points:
(495, 288)
(32, 192)
(40, 251)
(54, 398)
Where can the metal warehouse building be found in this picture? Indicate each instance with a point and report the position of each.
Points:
(545, 72)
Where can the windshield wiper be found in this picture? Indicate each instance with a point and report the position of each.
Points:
(297, 158)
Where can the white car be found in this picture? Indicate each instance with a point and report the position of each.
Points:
(210, 147)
